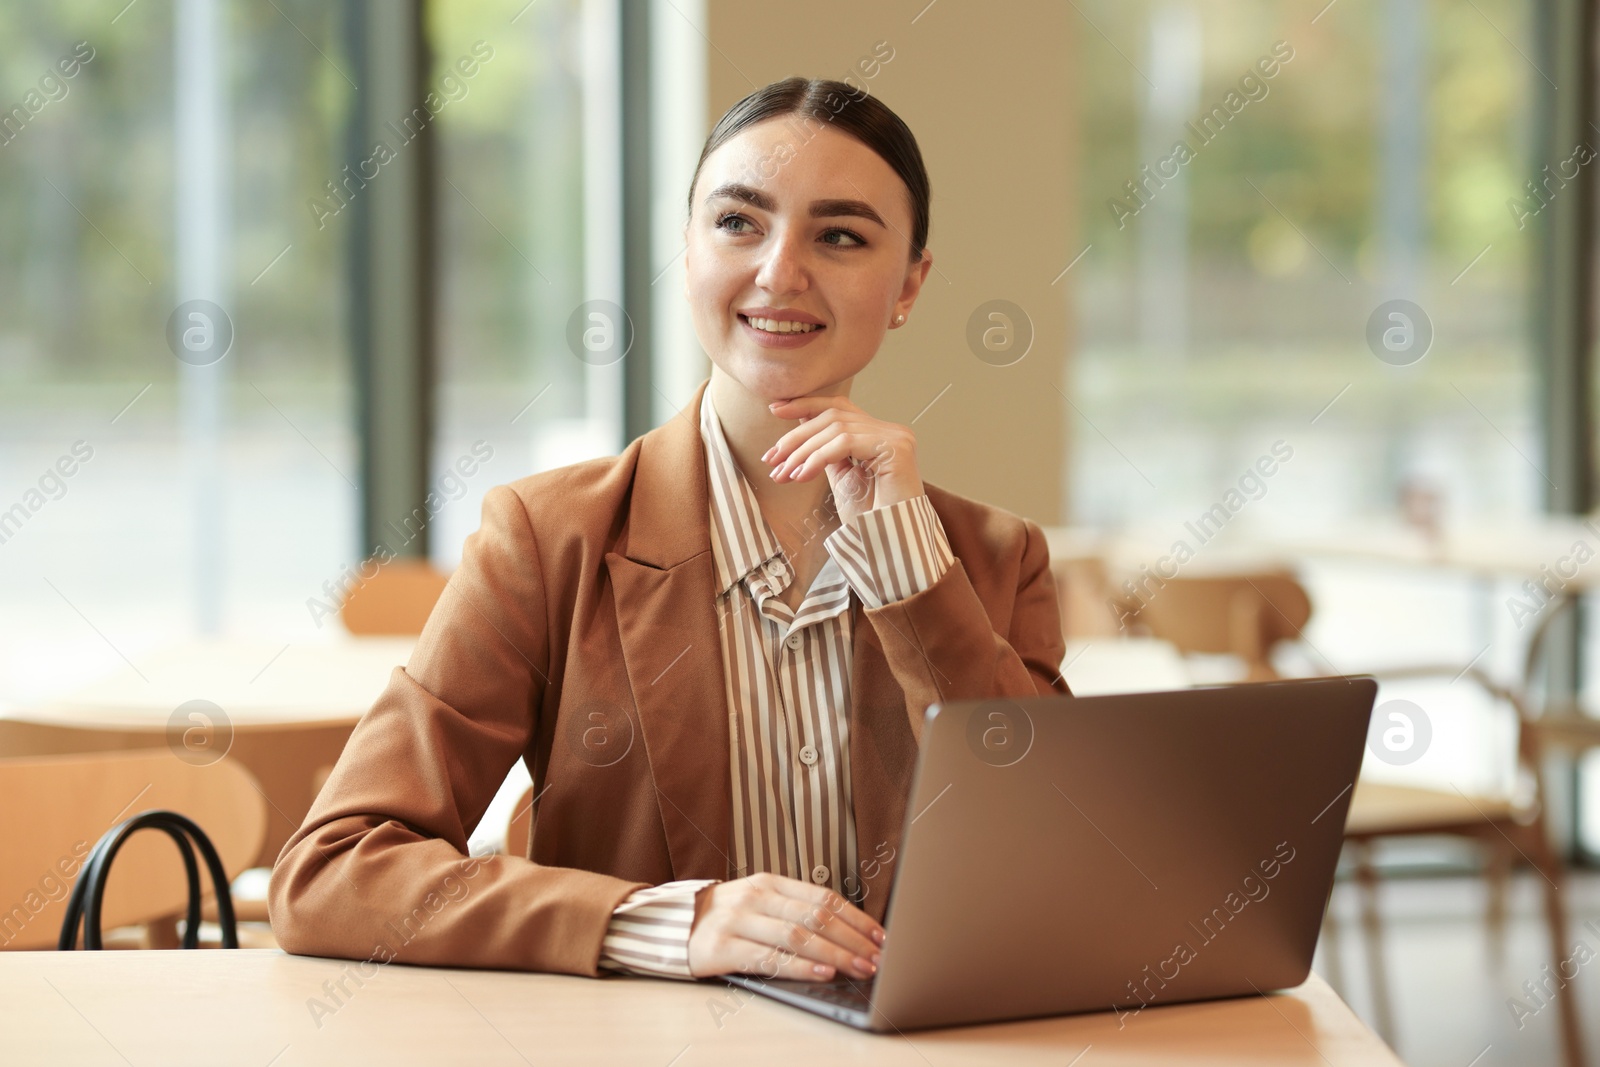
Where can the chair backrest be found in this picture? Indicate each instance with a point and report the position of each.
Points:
(1532, 695)
(1244, 614)
(1539, 649)
(289, 761)
(395, 600)
(56, 807)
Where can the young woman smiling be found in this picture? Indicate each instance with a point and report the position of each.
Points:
(714, 651)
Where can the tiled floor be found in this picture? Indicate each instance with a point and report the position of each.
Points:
(1450, 1001)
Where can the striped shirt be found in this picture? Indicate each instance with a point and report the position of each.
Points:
(786, 676)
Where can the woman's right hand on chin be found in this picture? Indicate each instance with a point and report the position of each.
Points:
(779, 927)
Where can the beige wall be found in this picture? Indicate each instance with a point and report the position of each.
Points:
(984, 86)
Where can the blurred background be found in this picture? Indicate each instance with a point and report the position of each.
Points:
(261, 343)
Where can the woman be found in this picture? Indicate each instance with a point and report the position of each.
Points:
(714, 651)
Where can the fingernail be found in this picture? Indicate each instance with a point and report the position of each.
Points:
(877, 935)
(766, 457)
(866, 965)
(877, 957)
(822, 969)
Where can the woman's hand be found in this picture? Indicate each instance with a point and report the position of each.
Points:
(870, 463)
(779, 927)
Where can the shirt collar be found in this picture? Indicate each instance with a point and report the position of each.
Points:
(741, 540)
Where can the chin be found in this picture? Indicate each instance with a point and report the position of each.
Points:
(799, 376)
(771, 379)
(783, 375)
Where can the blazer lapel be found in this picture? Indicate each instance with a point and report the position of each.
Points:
(663, 591)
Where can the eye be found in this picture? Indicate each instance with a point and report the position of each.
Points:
(860, 242)
(733, 222)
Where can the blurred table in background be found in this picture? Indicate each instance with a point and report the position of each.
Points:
(284, 711)
(1123, 665)
(1560, 555)
(1514, 549)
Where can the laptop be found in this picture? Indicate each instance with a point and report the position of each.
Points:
(1109, 853)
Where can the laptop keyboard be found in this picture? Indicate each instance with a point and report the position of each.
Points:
(845, 993)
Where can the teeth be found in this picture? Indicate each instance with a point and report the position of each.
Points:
(775, 326)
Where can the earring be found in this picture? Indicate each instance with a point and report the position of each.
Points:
(899, 319)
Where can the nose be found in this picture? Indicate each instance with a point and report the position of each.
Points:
(783, 266)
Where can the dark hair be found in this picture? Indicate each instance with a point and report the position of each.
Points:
(852, 111)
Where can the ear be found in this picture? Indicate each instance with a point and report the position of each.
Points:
(916, 274)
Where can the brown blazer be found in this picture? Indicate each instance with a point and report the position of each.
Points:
(585, 603)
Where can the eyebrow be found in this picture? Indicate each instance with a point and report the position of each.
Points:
(820, 209)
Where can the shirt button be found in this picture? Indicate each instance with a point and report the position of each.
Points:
(794, 640)
(808, 755)
(819, 874)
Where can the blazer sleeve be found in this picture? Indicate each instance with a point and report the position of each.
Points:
(380, 870)
(941, 644)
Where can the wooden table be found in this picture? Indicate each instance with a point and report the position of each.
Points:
(1540, 547)
(288, 710)
(1512, 550)
(1123, 665)
(255, 682)
(258, 1007)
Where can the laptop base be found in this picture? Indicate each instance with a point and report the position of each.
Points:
(843, 1000)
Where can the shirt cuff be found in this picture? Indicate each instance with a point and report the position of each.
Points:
(893, 552)
(649, 931)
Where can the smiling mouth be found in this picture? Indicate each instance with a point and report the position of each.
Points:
(781, 327)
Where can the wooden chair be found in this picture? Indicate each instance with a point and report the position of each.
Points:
(56, 807)
(1504, 828)
(1245, 615)
(396, 600)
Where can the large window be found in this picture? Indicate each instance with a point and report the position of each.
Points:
(195, 149)
(1326, 167)
(512, 243)
(201, 497)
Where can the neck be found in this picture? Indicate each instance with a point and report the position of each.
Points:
(751, 428)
